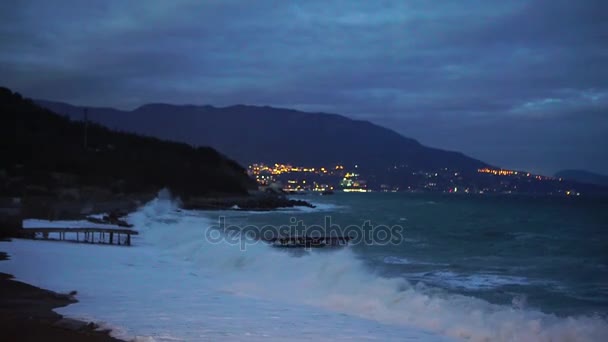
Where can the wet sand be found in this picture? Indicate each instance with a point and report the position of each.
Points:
(26, 314)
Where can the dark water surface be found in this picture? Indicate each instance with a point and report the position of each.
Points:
(545, 253)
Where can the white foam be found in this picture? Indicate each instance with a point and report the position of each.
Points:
(38, 223)
(393, 260)
(172, 285)
(478, 281)
(175, 284)
(396, 260)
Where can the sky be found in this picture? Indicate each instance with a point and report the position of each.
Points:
(519, 84)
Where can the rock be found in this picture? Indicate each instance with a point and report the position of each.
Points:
(72, 324)
(69, 194)
(260, 202)
(10, 226)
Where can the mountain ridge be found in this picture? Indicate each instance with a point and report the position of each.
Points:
(583, 176)
(38, 144)
(251, 134)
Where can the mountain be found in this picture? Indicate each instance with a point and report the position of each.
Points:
(46, 154)
(251, 134)
(583, 176)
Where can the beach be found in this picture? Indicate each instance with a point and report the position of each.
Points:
(26, 314)
(156, 290)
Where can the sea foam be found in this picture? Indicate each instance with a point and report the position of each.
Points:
(176, 284)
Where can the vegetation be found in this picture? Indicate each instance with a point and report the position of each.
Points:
(45, 152)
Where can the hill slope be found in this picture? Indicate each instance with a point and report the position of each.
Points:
(583, 176)
(45, 152)
(253, 134)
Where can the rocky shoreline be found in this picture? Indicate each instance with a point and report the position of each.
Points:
(26, 314)
(259, 202)
(14, 209)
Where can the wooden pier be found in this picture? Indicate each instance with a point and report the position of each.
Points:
(85, 235)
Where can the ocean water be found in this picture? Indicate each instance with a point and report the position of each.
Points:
(450, 268)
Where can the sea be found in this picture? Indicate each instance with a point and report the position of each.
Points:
(419, 267)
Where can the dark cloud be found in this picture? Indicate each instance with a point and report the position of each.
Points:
(516, 83)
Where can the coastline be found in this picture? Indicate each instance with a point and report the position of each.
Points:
(27, 314)
(252, 202)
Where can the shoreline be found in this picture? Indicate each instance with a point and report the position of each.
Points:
(27, 314)
(256, 202)
(14, 210)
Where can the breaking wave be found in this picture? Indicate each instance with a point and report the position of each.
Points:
(341, 282)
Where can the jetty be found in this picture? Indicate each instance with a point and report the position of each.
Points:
(110, 236)
(309, 241)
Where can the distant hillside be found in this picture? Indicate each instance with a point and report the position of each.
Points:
(44, 152)
(253, 134)
(583, 176)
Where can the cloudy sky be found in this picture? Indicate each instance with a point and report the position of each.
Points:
(521, 84)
